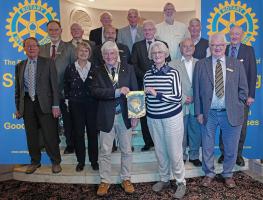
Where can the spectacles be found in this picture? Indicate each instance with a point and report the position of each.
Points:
(157, 52)
(31, 46)
(217, 45)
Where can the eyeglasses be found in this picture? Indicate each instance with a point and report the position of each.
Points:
(154, 53)
(31, 46)
(217, 45)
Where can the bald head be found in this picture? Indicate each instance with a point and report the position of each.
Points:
(236, 35)
(106, 18)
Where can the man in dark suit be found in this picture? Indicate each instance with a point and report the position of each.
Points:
(142, 63)
(37, 101)
(110, 34)
(246, 55)
(201, 44)
(96, 35)
(220, 92)
(63, 53)
(110, 85)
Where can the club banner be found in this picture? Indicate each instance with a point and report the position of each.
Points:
(19, 19)
(220, 16)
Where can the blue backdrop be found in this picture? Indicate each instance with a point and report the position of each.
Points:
(18, 20)
(217, 16)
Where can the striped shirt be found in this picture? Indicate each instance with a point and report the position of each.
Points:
(166, 82)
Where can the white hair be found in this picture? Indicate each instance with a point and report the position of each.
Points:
(159, 45)
(109, 45)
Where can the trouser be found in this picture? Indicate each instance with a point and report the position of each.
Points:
(167, 135)
(242, 135)
(145, 132)
(106, 140)
(67, 123)
(33, 119)
(230, 138)
(84, 116)
(192, 134)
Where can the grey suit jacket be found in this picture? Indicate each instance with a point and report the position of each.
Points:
(46, 85)
(236, 89)
(124, 36)
(187, 89)
(64, 57)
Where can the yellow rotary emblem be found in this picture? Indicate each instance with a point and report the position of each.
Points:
(233, 14)
(28, 20)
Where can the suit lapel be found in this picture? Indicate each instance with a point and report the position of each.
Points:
(184, 71)
(209, 69)
(21, 75)
(240, 52)
(61, 47)
(39, 64)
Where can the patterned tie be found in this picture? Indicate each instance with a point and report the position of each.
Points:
(32, 80)
(219, 80)
(53, 55)
(113, 72)
(233, 52)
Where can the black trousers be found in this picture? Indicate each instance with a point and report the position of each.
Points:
(242, 135)
(84, 116)
(145, 132)
(67, 123)
(34, 119)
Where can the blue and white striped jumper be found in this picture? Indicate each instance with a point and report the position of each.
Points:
(165, 121)
(166, 82)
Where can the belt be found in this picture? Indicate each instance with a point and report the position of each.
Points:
(219, 110)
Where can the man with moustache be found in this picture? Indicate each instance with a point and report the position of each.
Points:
(63, 54)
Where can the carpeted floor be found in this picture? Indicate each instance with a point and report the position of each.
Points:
(248, 189)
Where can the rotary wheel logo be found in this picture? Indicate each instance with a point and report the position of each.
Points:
(29, 20)
(233, 14)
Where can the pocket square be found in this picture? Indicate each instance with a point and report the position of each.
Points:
(90, 77)
(229, 69)
(58, 53)
(241, 60)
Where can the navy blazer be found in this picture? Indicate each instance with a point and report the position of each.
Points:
(104, 91)
(246, 55)
(236, 89)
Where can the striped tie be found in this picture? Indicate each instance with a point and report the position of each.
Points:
(219, 80)
(32, 80)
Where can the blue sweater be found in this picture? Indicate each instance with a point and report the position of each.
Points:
(166, 82)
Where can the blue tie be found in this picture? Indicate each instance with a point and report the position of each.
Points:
(233, 52)
(32, 80)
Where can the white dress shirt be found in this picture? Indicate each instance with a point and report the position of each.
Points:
(83, 72)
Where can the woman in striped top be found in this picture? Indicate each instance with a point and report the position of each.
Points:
(165, 119)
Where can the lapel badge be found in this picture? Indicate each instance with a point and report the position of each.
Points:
(229, 69)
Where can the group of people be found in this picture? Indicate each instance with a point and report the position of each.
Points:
(192, 87)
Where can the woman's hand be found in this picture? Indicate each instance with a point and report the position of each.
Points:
(150, 90)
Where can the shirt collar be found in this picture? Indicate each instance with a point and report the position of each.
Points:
(237, 46)
(183, 59)
(163, 70)
(57, 44)
(78, 66)
(222, 59)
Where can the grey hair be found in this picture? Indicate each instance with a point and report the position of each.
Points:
(159, 45)
(218, 35)
(133, 10)
(194, 20)
(149, 21)
(105, 12)
(109, 45)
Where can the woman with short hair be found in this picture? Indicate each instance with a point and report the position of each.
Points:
(165, 119)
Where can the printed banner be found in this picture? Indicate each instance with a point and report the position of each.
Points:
(136, 104)
(19, 19)
(220, 16)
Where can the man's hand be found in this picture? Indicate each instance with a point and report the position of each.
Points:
(18, 115)
(200, 118)
(56, 112)
(249, 101)
(189, 100)
(134, 122)
(150, 90)
(124, 90)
